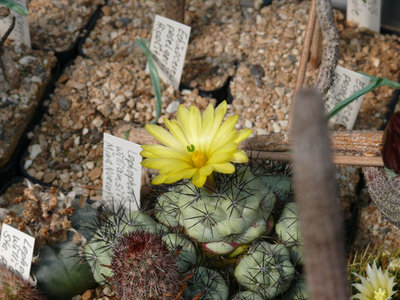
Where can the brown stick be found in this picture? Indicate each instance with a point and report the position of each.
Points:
(312, 18)
(317, 200)
(315, 47)
(347, 160)
(356, 143)
(175, 10)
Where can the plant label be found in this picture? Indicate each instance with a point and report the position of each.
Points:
(168, 45)
(345, 84)
(122, 172)
(366, 13)
(16, 250)
(20, 33)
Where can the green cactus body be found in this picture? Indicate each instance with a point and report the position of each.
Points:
(61, 273)
(187, 253)
(266, 269)
(206, 284)
(288, 231)
(99, 249)
(248, 295)
(12, 287)
(144, 268)
(235, 214)
(297, 290)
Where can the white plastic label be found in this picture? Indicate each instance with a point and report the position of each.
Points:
(20, 33)
(168, 45)
(366, 13)
(122, 172)
(345, 84)
(16, 250)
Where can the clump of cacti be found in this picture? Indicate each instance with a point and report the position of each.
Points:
(144, 268)
(266, 269)
(206, 284)
(12, 287)
(234, 214)
(288, 231)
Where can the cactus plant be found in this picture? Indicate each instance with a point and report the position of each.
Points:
(206, 284)
(185, 249)
(98, 250)
(266, 269)
(247, 295)
(297, 290)
(288, 231)
(235, 214)
(144, 268)
(12, 287)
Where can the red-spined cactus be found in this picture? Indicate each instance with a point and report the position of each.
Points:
(144, 268)
(12, 287)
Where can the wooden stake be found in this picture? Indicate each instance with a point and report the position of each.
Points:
(312, 19)
(315, 47)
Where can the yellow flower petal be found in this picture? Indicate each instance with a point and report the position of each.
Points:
(226, 168)
(239, 156)
(165, 165)
(243, 134)
(198, 179)
(176, 131)
(163, 136)
(184, 174)
(206, 170)
(159, 179)
(155, 151)
(223, 154)
(207, 119)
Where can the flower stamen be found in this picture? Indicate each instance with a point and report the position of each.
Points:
(198, 159)
(380, 294)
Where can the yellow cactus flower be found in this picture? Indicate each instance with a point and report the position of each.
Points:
(376, 286)
(196, 145)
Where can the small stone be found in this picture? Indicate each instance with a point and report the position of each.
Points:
(248, 124)
(276, 127)
(35, 151)
(375, 61)
(26, 60)
(65, 177)
(88, 295)
(76, 85)
(76, 168)
(27, 164)
(95, 173)
(280, 91)
(172, 107)
(90, 165)
(49, 176)
(256, 71)
(108, 292)
(97, 122)
(64, 103)
(36, 79)
(85, 131)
